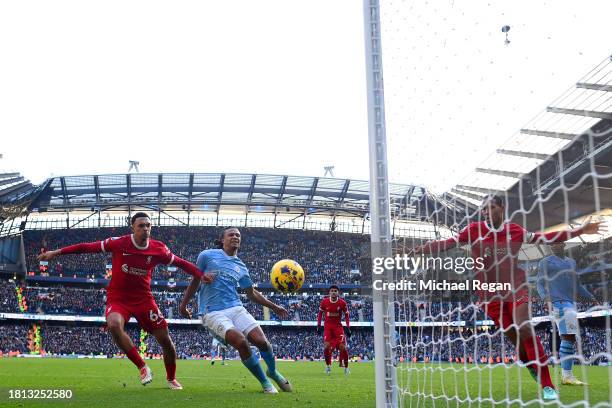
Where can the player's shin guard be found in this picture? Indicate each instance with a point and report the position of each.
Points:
(252, 363)
(135, 358)
(268, 357)
(328, 356)
(565, 352)
(170, 371)
(535, 352)
(344, 357)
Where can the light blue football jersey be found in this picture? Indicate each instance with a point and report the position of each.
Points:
(230, 274)
(557, 280)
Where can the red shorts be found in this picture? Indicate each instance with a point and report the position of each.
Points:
(333, 335)
(502, 313)
(146, 313)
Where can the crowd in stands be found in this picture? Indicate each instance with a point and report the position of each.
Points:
(414, 344)
(307, 307)
(288, 342)
(91, 302)
(476, 345)
(14, 337)
(8, 297)
(66, 300)
(82, 340)
(595, 340)
(196, 341)
(326, 257)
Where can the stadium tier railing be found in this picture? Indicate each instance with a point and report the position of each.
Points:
(164, 283)
(306, 323)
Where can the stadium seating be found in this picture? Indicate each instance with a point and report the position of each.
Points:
(94, 340)
(90, 302)
(327, 258)
(430, 344)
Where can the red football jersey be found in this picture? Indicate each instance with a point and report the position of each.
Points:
(499, 249)
(333, 311)
(133, 266)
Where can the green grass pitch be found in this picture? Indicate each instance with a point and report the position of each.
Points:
(453, 386)
(114, 383)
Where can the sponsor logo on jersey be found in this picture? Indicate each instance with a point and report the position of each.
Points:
(149, 259)
(138, 271)
(134, 271)
(502, 250)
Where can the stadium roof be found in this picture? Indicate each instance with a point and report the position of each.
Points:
(15, 194)
(259, 193)
(571, 138)
(13, 184)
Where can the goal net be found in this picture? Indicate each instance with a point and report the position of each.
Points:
(503, 112)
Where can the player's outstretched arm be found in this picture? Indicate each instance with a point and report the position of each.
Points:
(562, 236)
(319, 317)
(191, 269)
(348, 322)
(189, 292)
(255, 296)
(87, 247)
(347, 318)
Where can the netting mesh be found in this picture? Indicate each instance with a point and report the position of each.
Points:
(459, 93)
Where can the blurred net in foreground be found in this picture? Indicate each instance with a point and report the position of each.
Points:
(553, 180)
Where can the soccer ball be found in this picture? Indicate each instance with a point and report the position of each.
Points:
(287, 276)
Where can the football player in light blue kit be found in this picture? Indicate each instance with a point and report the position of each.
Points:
(223, 314)
(558, 283)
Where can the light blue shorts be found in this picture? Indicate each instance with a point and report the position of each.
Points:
(566, 317)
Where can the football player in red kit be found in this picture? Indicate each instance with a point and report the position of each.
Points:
(498, 243)
(333, 334)
(129, 292)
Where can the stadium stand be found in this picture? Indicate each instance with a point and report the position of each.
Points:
(432, 344)
(328, 257)
(90, 302)
(190, 342)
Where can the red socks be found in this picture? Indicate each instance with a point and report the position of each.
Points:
(538, 355)
(328, 356)
(170, 371)
(135, 358)
(344, 358)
